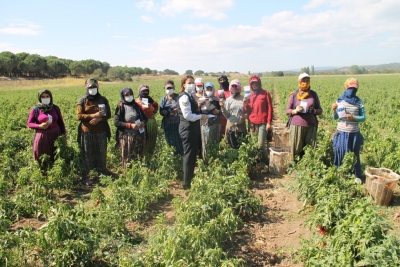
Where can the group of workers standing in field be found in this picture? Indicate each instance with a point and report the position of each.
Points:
(192, 119)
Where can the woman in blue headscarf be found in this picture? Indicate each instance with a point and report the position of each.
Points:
(349, 111)
(170, 120)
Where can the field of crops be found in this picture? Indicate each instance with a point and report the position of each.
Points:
(99, 227)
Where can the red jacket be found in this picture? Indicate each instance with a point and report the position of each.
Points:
(259, 109)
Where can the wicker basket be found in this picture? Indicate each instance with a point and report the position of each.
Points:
(279, 159)
(281, 138)
(380, 184)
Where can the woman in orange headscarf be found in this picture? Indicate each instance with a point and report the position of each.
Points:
(349, 111)
(303, 107)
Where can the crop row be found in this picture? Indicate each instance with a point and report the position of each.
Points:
(351, 229)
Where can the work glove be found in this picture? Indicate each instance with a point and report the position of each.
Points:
(298, 109)
(311, 110)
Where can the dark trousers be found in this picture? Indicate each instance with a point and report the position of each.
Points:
(189, 132)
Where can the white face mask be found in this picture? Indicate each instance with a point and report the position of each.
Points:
(189, 88)
(169, 91)
(129, 98)
(93, 91)
(45, 101)
(209, 93)
(199, 89)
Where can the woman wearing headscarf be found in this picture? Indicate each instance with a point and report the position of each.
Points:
(223, 94)
(170, 120)
(233, 110)
(46, 119)
(303, 107)
(198, 96)
(150, 108)
(189, 127)
(349, 111)
(130, 121)
(93, 111)
(259, 111)
(211, 128)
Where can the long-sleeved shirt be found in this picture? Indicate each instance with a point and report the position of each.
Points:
(169, 104)
(43, 117)
(151, 110)
(357, 110)
(92, 107)
(304, 119)
(208, 107)
(186, 108)
(233, 109)
(125, 115)
(259, 108)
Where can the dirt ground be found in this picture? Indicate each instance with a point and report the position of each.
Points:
(273, 238)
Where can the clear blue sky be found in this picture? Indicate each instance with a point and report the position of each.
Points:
(209, 35)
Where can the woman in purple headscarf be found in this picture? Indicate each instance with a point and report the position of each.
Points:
(130, 121)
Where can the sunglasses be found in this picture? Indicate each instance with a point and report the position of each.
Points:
(169, 88)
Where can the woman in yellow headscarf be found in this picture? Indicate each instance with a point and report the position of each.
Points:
(303, 107)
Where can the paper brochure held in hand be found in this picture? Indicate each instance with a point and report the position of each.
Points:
(141, 130)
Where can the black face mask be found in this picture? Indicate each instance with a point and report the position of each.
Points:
(144, 95)
(224, 85)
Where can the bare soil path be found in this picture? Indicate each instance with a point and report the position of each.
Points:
(273, 238)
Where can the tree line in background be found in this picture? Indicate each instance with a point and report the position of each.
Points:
(33, 65)
(354, 69)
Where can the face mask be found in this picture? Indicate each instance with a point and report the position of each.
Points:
(199, 89)
(209, 93)
(169, 91)
(45, 101)
(93, 91)
(189, 88)
(304, 86)
(254, 87)
(144, 95)
(129, 98)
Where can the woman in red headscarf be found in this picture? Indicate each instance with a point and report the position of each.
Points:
(259, 111)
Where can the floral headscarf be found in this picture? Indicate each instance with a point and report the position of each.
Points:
(44, 107)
